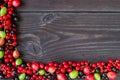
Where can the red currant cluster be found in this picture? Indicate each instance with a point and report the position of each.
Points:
(13, 67)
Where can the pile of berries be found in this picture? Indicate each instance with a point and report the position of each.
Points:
(12, 66)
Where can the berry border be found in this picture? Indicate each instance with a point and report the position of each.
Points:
(12, 66)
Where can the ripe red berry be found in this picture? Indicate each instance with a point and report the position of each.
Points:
(46, 68)
(110, 61)
(35, 66)
(87, 70)
(61, 76)
(66, 66)
(42, 65)
(16, 54)
(111, 75)
(16, 3)
(51, 63)
(69, 70)
(51, 69)
(2, 41)
(70, 62)
(90, 77)
(62, 70)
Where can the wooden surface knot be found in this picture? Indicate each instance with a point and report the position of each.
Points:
(32, 45)
(48, 18)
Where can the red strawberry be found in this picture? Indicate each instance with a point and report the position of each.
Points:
(87, 70)
(51, 69)
(35, 66)
(61, 76)
(112, 75)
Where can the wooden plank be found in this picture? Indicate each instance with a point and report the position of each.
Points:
(70, 5)
(45, 37)
(50, 36)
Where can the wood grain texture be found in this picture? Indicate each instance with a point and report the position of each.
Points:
(58, 36)
(45, 37)
(70, 5)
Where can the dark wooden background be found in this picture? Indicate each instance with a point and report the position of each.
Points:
(57, 30)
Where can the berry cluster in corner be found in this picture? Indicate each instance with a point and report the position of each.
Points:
(12, 66)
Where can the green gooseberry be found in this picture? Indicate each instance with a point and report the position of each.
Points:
(22, 76)
(18, 61)
(3, 11)
(97, 76)
(41, 72)
(73, 74)
(1, 54)
(2, 34)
